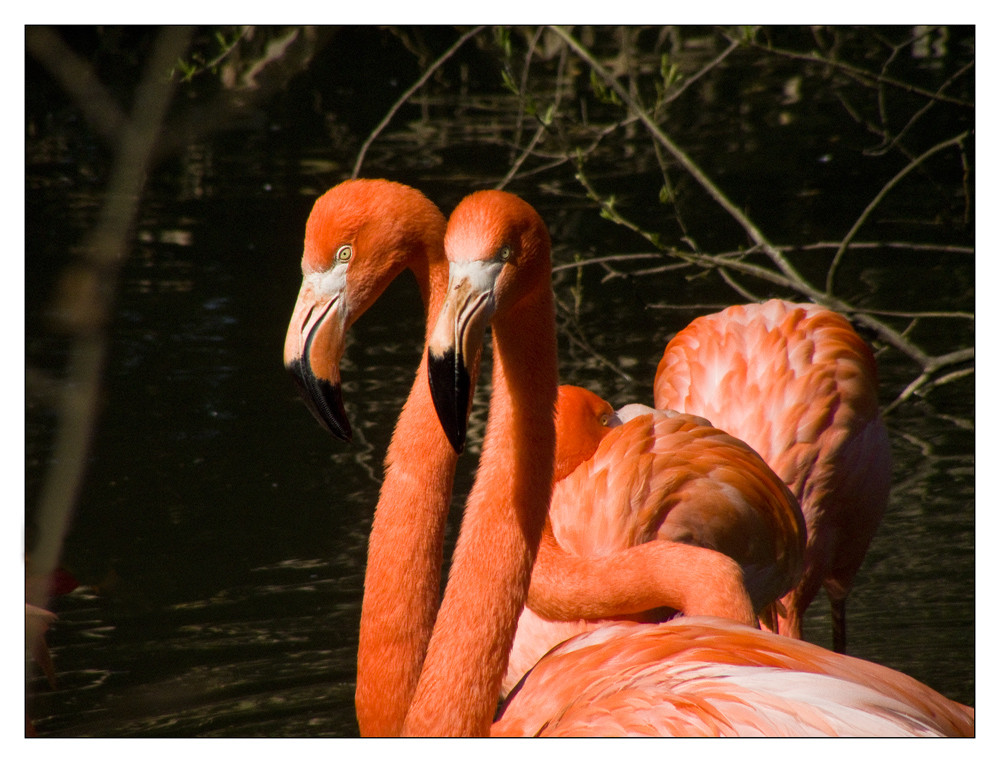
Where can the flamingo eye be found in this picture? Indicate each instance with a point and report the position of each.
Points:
(505, 252)
(604, 419)
(344, 253)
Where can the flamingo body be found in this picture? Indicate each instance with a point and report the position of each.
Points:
(701, 676)
(675, 477)
(798, 385)
(663, 476)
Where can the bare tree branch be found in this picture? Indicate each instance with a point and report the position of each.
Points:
(785, 276)
(87, 290)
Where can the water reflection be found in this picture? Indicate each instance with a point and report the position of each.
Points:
(253, 659)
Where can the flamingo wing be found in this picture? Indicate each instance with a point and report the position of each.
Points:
(710, 677)
(672, 477)
(668, 514)
(799, 385)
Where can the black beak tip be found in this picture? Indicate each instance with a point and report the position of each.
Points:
(457, 442)
(323, 399)
(331, 413)
(449, 382)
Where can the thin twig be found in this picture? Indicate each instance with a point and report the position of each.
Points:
(863, 74)
(542, 125)
(923, 384)
(607, 258)
(406, 96)
(675, 94)
(916, 116)
(907, 245)
(955, 141)
(707, 261)
(578, 340)
(957, 314)
(737, 287)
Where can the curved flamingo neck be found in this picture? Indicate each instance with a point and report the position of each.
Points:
(491, 570)
(403, 574)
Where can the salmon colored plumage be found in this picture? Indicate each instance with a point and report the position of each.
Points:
(672, 481)
(701, 676)
(800, 386)
(405, 548)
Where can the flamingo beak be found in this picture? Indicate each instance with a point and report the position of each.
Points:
(314, 346)
(456, 344)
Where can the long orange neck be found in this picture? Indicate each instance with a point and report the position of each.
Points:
(491, 570)
(402, 578)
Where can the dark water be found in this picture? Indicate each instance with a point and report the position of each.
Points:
(220, 535)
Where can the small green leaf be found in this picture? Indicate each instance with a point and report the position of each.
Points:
(672, 75)
(596, 85)
(501, 36)
(603, 93)
(508, 81)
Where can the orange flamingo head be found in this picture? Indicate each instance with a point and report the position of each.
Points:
(582, 421)
(498, 253)
(360, 235)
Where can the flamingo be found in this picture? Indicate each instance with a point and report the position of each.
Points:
(359, 236)
(662, 479)
(799, 386)
(692, 675)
